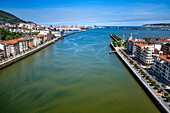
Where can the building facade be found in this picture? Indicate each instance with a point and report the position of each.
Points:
(144, 53)
(161, 67)
(131, 45)
(166, 49)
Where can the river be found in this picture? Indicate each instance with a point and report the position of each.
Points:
(75, 75)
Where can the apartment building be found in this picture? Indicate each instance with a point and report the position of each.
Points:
(154, 39)
(2, 54)
(20, 42)
(41, 37)
(166, 49)
(131, 45)
(13, 46)
(144, 52)
(161, 66)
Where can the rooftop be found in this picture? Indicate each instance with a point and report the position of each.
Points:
(13, 41)
(39, 35)
(143, 45)
(163, 41)
(138, 40)
(164, 57)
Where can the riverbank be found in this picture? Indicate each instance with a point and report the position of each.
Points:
(154, 29)
(21, 56)
(161, 103)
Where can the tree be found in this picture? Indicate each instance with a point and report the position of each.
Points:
(157, 86)
(166, 94)
(147, 77)
(168, 98)
(150, 80)
(8, 38)
(160, 90)
(153, 83)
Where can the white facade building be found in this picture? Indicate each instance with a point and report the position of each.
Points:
(145, 52)
(161, 67)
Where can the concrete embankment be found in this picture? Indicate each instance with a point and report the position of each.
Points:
(148, 91)
(30, 52)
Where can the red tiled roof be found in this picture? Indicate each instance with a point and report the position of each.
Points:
(39, 36)
(10, 42)
(19, 40)
(13, 41)
(142, 45)
(163, 41)
(164, 57)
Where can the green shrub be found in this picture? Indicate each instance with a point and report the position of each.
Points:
(166, 94)
(157, 86)
(119, 44)
(150, 79)
(131, 61)
(147, 77)
(144, 74)
(153, 83)
(116, 37)
(160, 90)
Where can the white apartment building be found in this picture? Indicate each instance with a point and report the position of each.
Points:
(161, 66)
(131, 44)
(57, 33)
(36, 41)
(145, 52)
(20, 46)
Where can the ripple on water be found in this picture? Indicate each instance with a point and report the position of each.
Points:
(74, 75)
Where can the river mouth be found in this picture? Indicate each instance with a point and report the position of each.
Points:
(74, 75)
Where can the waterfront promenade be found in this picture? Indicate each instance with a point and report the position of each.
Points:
(11, 60)
(158, 97)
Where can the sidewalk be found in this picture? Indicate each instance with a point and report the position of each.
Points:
(161, 99)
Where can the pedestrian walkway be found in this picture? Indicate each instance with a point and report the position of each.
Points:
(157, 95)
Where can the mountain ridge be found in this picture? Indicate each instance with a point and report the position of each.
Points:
(6, 17)
(157, 25)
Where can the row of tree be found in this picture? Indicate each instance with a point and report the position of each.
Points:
(147, 77)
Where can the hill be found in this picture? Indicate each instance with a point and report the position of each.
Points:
(157, 25)
(9, 18)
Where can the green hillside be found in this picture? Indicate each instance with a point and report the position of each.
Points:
(9, 18)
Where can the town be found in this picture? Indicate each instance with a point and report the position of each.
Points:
(152, 52)
(149, 60)
(30, 35)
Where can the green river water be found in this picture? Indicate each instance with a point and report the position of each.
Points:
(74, 75)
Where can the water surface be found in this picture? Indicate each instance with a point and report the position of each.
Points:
(74, 75)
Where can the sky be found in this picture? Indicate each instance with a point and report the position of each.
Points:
(90, 12)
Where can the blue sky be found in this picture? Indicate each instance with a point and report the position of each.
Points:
(90, 12)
